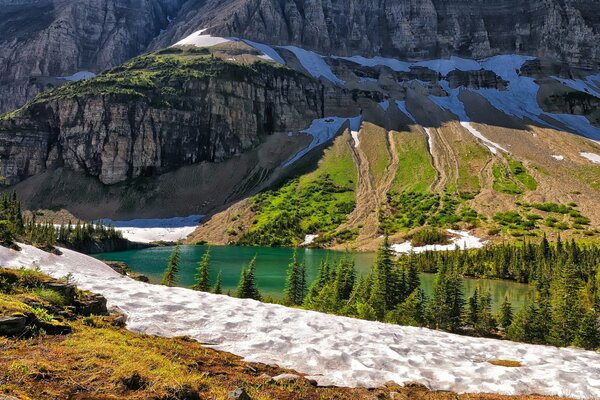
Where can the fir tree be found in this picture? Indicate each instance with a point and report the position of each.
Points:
(472, 314)
(411, 312)
(203, 273)
(218, 288)
(295, 286)
(566, 307)
(170, 275)
(505, 316)
(247, 288)
(588, 334)
(486, 323)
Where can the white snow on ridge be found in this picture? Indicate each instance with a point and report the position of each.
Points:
(330, 349)
(445, 66)
(322, 131)
(79, 76)
(462, 240)
(401, 104)
(314, 64)
(198, 39)
(393, 64)
(159, 229)
(595, 158)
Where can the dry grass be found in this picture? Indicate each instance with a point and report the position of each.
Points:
(506, 363)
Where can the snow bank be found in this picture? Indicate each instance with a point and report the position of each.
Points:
(198, 39)
(331, 349)
(462, 240)
(154, 230)
(595, 158)
(385, 105)
(445, 66)
(79, 76)
(314, 64)
(322, 131)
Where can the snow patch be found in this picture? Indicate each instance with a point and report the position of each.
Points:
(401, 104)
(79, 76)
(593, 157)
(445, 66)
(558, 157)
(308, 240)
(158, 229)
(322, 131)
(385, 105)
(269, 53)
(493, 146)
(198, 39)
(393, 64)
(462, 240)
(330, 349)
(314, 64)
(355, 137)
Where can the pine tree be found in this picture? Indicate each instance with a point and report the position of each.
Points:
(203, 273)
(588, 334)
(218, 289)
(566, 307)
(505, 316)
(323, 279)
(411, 312)
(247, 288)
(472, 314)
(486, 323)
(170, 274)
(295, 286)
(386, 290)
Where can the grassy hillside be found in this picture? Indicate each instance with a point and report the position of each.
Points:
(415, 172)
(315, 203)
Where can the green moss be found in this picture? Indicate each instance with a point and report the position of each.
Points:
(512, 179)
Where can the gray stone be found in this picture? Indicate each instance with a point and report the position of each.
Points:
(12, 325)
(239, 394)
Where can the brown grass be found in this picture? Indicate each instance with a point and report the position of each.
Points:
(506, 363)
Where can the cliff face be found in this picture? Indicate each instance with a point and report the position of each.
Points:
(142, 126)
(568, 30)
(45, 39)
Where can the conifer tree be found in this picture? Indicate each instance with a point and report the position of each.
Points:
(218, 288)
(385, 293)
(411, 312)
(295, 286)
(323, 278)
(247, 288)
(486, 323)
(203, 273)
(566, 307)
(505, 317)
(588, 334)
(170, 275)
(472, 314)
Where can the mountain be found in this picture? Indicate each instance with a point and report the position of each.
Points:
(280, 143)
(43, 40)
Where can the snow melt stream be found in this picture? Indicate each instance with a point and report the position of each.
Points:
(331, 349)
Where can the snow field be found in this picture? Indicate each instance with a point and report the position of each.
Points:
(462, 240)
(154, 230)
(333, 350)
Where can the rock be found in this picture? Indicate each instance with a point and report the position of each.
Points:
(239, 394)
(13, 325)
(135, 382)
(93, 304)
(7, 397)
(65, 289)
(415, 385)
(266, 377)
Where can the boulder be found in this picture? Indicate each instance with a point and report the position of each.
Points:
(13, 325)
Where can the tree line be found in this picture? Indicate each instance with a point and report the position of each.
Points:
(15, 227)
(563, 311)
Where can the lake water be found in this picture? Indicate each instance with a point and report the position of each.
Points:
(271, 268)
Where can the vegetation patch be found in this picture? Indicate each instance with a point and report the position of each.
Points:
(316, 203)
(506, 363)
(428, 236)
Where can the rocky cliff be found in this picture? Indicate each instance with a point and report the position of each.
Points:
(44, 39)
(157, 113)
(568, 30)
